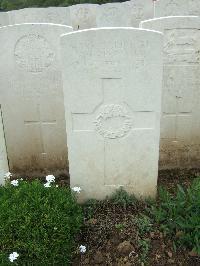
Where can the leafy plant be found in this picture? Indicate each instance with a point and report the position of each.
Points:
(143, 223)
(179, 215)
(120, 226)
(121, 197)
(144, 245)
(39, 223)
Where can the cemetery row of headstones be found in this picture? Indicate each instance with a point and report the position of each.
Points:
(84, 16)
(111, 82)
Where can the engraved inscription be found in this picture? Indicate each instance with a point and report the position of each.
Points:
(113, 121)
(181, 46)
(33, 53)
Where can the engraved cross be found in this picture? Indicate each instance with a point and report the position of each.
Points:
(41, 123)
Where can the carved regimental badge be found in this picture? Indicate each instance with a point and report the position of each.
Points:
(33, 53)
(113, 121)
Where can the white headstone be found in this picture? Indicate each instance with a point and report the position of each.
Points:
(180, 123)
(127, 14)
(56, 15)
(4, 19)
(165, 8)
(3, 153)
(112, 92)
(32, 97)
(83, 16)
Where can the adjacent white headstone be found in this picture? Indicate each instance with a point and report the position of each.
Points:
(83, 16)
(3, 153)
(56, 15)
(127, 14)
(165, 8)
(4, 19)
(32, 97)
(180, 124)
(112, 92)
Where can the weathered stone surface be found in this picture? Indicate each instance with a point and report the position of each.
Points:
(3, 153)
(4, 19)
(180, 123)
(112, 88)
(56, 15)
(127, 14)
(83, 16)
(177, 8)
(32, 97)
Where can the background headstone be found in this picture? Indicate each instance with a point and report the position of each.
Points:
(56, 15)
(127, 14)
(112, 92)
(4, 19)
(32, 97)
(83, 16)
(3, 153)
(165, 8)
(180, 123)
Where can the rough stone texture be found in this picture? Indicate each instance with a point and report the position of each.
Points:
(3, 153)
(127, 14)
(180, 123)
(32, 97)
(56, 15)
(177, 8)
(83, 16)
(112, 92)
(4, 19)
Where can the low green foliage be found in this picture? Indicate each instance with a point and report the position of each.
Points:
(143, 223)
(121, 197)
(179, 215)
(120, 226)
(144, 245)
(38, 223)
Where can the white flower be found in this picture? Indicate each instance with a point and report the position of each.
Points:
(50, 178)
(82, 249)
(56, 185)
(13, 256)
(76, 189)
(15, 183)
(47, 184)
(8, 175)
(21, 179)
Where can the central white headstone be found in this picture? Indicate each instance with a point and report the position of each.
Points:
(32, 97)
(112, 90)
(3, 153)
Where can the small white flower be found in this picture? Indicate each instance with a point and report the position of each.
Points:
(47, 184)
(76, 189)
(13, 256)
(21, 179)
(15, 183)
(50, 178)
(82, 249)
(56, 185)
(8, 175)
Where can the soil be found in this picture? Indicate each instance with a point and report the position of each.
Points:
(111, 236)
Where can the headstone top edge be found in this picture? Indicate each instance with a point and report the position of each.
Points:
(112, 29)
(36, 24)
(169, 17)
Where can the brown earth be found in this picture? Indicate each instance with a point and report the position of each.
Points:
(111, 236)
